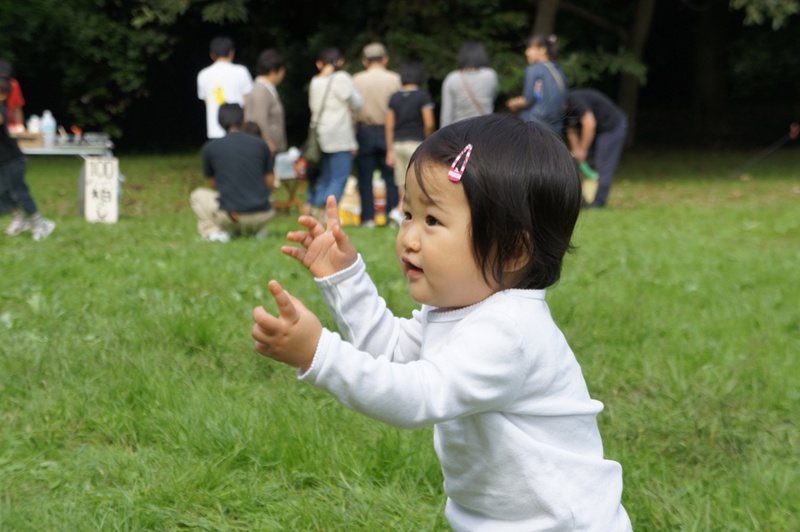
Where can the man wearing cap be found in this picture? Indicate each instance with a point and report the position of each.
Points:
(376, 84)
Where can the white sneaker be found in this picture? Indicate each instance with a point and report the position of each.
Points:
(369, 224)
(42, 228)
(396, 217)
(219, 236)
(19, 224)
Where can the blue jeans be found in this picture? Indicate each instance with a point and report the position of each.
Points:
(371, 157)
(13, 188)
(335, 168)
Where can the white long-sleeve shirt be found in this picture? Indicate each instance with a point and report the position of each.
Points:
(514, 426)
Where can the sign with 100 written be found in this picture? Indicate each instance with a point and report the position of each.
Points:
(101, 190)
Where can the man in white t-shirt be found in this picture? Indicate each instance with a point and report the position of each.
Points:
(222, 82)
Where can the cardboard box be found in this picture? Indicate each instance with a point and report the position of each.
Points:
(28, 140)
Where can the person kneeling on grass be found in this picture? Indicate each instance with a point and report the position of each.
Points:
(490, 206)
(238, 167)
(14, 192)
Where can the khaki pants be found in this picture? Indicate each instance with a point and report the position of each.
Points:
(210, 219)
(403, 150)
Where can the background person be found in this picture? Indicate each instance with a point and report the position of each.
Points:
(14, 190)
(376, 85)
(238, 167)
(545, 85)
(409, 120)
(263, 104)
(596, 128)
(332, 98)
(16, 101)
(15, 118)
(491, 205)
(470, 90)
(222, 82)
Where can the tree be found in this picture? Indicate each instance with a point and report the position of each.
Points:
(758, 12)
(84, 58)
(114, 64)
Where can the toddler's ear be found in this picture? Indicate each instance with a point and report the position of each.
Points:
(522, 256)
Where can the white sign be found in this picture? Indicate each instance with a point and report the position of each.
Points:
(101, 190)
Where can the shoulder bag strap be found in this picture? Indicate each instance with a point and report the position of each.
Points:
(471, 94)
(556, 74)
(324, 98)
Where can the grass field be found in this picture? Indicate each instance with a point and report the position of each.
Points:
(131, 397)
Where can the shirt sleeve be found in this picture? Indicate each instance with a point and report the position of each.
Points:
(446, 113)
(256, 109)
(247, 81)
(479, 368)
(15, 99)
(201, 89)
(208, 167)
(364, 319)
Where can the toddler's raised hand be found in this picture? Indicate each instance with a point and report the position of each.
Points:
(325, 250)
(290, 337)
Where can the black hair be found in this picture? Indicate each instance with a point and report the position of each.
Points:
(221, 46)
(411, 73)
(269, 60)
(473, 55)
(330, 56)
(252, 128)
(523, 191)
(550, 42)
(230, 115)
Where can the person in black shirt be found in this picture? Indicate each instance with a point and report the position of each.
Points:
(238, 167)
(596, 129)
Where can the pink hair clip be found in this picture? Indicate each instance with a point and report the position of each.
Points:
(455, 172)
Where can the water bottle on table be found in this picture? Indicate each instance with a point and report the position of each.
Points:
(48, 126)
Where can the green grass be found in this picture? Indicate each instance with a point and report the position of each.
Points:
(131, 397)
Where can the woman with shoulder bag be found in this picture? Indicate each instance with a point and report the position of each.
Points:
(545, 86)
(332, 98)
(472, 88)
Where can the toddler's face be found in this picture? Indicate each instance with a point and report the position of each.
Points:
(434, 243)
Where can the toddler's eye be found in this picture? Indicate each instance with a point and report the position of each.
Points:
(430, 220)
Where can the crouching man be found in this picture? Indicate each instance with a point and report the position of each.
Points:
(238, 167)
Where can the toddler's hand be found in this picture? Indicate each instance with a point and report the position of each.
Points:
(325, 251)
(292, 336)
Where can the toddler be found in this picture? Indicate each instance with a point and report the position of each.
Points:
(490, 206)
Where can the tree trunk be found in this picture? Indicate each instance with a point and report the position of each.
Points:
(628, 96)
(545, 21)
(709, 98)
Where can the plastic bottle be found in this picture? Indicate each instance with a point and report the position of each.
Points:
(379, 194)
(34, 124)
(350, 204)
(587, 170)
(48, 129)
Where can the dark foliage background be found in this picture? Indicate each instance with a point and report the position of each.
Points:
(128, 67)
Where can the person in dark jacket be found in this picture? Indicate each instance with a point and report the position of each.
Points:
(596, 130)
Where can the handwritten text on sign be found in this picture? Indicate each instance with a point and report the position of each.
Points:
(102, 187)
